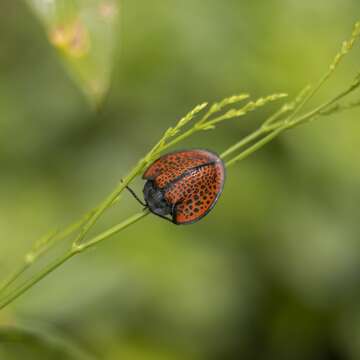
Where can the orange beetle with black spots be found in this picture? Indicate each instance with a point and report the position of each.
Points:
(184, 185)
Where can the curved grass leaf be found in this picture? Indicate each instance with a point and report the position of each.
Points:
(84, 32)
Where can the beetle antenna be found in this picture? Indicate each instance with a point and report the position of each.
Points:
(132, 192)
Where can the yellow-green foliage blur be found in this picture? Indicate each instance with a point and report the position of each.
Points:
(272, 273)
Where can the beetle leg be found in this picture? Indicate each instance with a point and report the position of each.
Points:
(132, 192)
(162, 216)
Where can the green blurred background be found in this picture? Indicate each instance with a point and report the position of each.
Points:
(272, 273)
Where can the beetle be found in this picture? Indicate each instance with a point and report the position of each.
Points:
(184, 184)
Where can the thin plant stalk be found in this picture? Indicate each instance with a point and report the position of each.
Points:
(43, 245)
(74, 250)
(187, 126)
